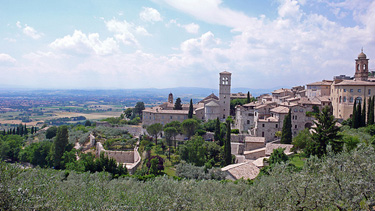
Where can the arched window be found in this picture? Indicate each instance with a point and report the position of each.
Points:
(364, 66)
(357, 66)
(340, 99)
(344, 99)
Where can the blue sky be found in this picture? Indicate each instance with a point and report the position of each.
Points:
(171, 43)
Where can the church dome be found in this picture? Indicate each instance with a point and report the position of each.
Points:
(362, 55)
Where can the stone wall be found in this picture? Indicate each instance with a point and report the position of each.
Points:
(239, 138)
(131, 159)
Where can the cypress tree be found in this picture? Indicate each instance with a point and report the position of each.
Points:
(371, 109)
(4, 133)
(286, 132)
(227, 147)
(190, 114)
(359, 115)
(354, 115)
(61, 141)
(363, 116)
(14, 131)
(248, 97)
(217, 135)
(369, 112)
(25, 131)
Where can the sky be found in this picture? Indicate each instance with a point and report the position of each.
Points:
(129, 44)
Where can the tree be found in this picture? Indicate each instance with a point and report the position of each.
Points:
(301, 140)
(175, 124)
(286, 132)
(51, 132)
(155, 165)
(87, 123)
(193, 151)
(189, 126)
(363, 116)
(359, 115)
(277, 156)
(370, 111)
(139, 107)
(61, 141)
(355, 116)
(227, 147)
(217, 135)
(128, 112)
(325, 132)
(248, 97)
(170, 133)
(154, 131)
(190, 114)
(178, 105)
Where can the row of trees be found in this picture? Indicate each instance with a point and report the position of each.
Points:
(20, 130)
(360, 115)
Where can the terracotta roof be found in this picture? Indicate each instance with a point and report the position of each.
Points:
(255, 139)
(321, 83)
(259, 162)
(211, 96)
(269, 119)
(281, 91)
(270, 147)
(245, 170)
(226, 72)
(212, 104)
(307, 101)
(355, 83)
(280, 109)
(288, 104)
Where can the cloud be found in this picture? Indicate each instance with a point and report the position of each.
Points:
(123, 31)
(142, 31)
(82, 44)
(191, 28)
(212, 11)
(150, 15)
(5, 59)
(29, 31)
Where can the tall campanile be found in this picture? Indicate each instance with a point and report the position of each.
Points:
(224, 94)
(361, 67)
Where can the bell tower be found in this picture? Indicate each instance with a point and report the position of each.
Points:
(170, 98)
(224, 94)
(361, 67)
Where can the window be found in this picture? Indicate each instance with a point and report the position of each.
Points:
(262, 125)
(344, 90)
(344, 99)
(358, 100)
(301, 110)
(359, 90)
(296, 110)
(351, 90)
(295, 126)
(248, 122)
(171, 117)
(262, 134)
(340, 99)
(351, 99)
(369, 91)
(277, 126)
(295, 117)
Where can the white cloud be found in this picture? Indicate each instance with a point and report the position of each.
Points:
(142, 31)
(150, 15)
(6, 59)
(213, 12)
(29, 31)
(80, 43)
(191, 28)
(289, 8)
(123, 31)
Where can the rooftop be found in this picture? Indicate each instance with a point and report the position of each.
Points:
(245, 170)
(280, 110)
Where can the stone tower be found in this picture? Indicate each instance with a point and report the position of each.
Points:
(361, 67)
(170, 98)
(224, 94)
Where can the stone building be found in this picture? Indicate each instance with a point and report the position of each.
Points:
(318, 89)
(211, 107)
(345, 92)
